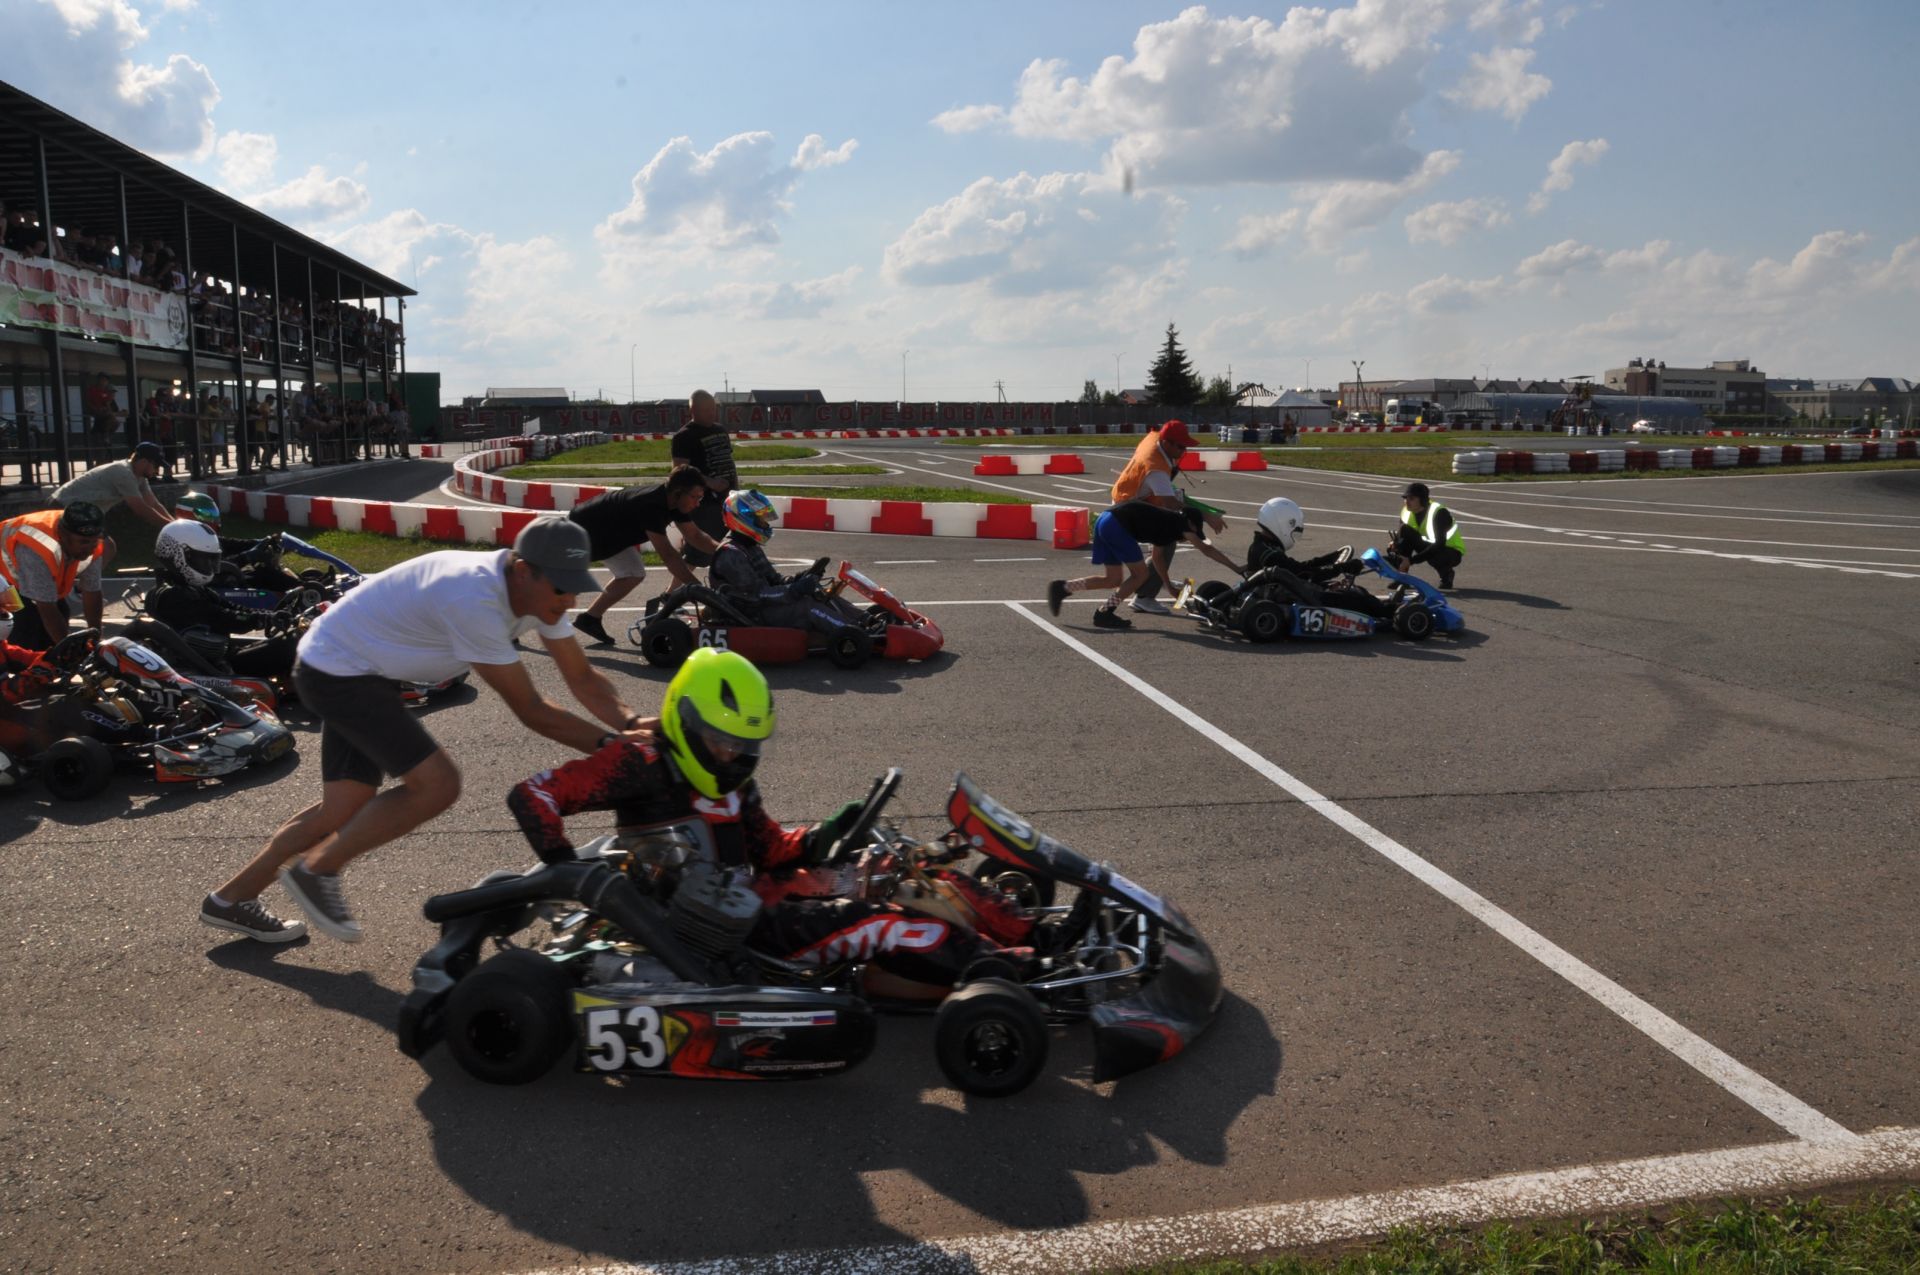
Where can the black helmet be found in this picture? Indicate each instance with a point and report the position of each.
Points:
(82, 518)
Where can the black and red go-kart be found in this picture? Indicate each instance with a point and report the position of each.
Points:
(635, 955)
(693, 615)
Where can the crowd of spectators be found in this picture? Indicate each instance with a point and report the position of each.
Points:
(339, 331)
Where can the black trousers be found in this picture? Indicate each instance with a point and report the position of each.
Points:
(1407, 543)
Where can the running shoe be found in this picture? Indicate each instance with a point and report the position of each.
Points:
(321, 898)
(1149, 606)
(1056, 594)
(1108, 618)
(593, 628)
(251, 918)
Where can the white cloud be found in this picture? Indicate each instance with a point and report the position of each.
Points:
(1511, 23)
(720, 200)
(806, 299)
(78, 55)
(1560, 170)
(247, 159)
(314, 196)
(1563, 257)
(1449, 223)
(968, 119)
(1645, 257)
(1259, 234)
(1902, 269)
(1344, 207)
(1028, 235)
(1827, 262)
(401, 243)
(1500, 81)
(1449, 295)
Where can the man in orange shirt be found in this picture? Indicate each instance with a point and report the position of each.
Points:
(1149, 476)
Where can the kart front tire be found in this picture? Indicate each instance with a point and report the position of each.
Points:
(1263, 620)
(850, 648)
(666, 642)
(1413, 621)
(990, 1038)
(76, 768)
(507, 1022)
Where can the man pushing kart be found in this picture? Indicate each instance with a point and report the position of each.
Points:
(694, 771)
(743, 575)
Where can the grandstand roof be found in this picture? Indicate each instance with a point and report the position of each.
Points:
(77, 154)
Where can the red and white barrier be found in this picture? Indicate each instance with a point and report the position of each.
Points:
(1002, 464)
(1241, 461)
(1611, 461)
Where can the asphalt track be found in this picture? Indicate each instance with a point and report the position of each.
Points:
(1624, 872)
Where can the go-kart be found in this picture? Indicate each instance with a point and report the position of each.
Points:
(1273, 603)
(256, 579)
(693, 615)
(636, 957)
(114, 702)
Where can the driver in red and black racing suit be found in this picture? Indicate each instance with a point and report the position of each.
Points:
(742, 574)
(698, 766)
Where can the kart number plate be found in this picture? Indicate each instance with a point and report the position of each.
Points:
(627, 1038)
(715, 638)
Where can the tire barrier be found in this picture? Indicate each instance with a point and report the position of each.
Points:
(1480, 463)
(1006, 465)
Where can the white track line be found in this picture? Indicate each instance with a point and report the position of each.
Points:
(1769, 1099)
(1619, 1187)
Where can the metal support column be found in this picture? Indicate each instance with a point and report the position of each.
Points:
(136, 427)
(242, 426)
(193, 347)
(279, 363)
(56, 367)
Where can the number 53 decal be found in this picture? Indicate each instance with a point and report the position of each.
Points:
(609, 1049)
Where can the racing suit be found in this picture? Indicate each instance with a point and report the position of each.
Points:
(742, 575)
(1265, 551)
(638, 781)
(205, 622)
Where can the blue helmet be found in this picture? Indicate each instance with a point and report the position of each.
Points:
(750, 514)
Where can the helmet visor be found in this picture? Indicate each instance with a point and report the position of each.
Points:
(202, 563)
(728, 757)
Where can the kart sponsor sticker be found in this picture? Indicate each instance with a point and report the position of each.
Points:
(806, 1018)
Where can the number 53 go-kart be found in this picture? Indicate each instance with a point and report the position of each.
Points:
(636, 956)
(694, 615)
(1274, 603)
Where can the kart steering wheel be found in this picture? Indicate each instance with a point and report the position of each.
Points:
(856, 834)
(819, 568)
(70, 651)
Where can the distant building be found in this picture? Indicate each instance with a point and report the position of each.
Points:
(510, 396)
(1731, 386)
(1880, 398)
(773, 398)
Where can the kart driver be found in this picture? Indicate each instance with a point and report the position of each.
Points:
(696, 766)
(742, 574)
(1117, 536)
(186, 557)
(1277, 528)
(243, 561)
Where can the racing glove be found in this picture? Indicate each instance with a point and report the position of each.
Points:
(830, 830)
(804, 586)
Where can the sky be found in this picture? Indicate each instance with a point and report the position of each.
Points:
(985, 198)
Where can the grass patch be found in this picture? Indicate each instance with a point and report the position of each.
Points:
(1879, 1231)
(661, 451)
(931, 495)
(639, 473)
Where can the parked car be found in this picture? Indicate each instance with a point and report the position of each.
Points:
(1643, 427)
(1860, 431)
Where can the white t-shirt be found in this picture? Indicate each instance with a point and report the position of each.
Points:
(1157, 483)
(104, 485)
(423, 621)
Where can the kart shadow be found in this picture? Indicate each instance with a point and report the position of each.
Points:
(354, 992)
(1532, 600)
(1438, 649)
(651, 1171)
(35, 805)
(812, 676)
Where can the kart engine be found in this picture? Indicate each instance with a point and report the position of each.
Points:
(713, 909)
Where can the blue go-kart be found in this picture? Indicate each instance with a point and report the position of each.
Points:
(1274, 603)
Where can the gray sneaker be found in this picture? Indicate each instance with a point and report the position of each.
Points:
(1149, 606)
(251, 918)
(320, 896)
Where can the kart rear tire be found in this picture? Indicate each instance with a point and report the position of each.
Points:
(507, 1022)
(1262, 620)
(666, 642)
(990, 1038)
(76, 768)
(1211, 591)
(850, 648)
(1028, 890)
(1414, 622)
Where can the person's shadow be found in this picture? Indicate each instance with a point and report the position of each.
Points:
(1501, 595)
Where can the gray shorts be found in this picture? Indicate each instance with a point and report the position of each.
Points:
(366, 731)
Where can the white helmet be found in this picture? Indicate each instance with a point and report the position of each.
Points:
(190, 549)
(1282, 519)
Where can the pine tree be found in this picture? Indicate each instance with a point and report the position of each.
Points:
(1171, 381)
(1089, 393)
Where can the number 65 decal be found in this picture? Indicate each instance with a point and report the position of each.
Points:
(607, 1049)
(715, 638)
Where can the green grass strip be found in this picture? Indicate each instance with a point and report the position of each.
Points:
(662, 451)
(1875, 1233)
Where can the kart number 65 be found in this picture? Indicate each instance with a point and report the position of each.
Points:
(610, 1049)
(715, 638)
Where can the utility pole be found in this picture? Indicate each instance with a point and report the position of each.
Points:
(1117, 387)
(1309, 384)
(632, 390)
(1000, 388)
(903, 374)
(1359, 385)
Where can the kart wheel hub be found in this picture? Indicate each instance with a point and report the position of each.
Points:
(991, 1049)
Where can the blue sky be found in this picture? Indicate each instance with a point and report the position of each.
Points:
(792, 195)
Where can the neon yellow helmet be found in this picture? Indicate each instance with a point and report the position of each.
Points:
(716, 714)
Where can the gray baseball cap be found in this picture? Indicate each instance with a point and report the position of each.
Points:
(560, 548)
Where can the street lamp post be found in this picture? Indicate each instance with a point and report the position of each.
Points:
(632, 386)
(1359, 385)
(903, 374)
(1309, 385)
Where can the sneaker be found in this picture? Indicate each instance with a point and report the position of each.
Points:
(251, 918)
(593, 628)
(1446, 583)
(321, 898)
(1056, 594)
(1149, 606)
(1108, 618)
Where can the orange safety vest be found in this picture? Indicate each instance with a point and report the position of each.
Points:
(1147, 457)
(39, 535)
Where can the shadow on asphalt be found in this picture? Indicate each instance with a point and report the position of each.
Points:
(813, 676)
(1501, 595)
(25, 809)
(664, 1170)
(1439, 649)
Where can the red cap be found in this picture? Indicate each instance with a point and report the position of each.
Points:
(1176, 432)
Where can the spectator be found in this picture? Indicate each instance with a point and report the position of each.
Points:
(103, 414)
(704, 444)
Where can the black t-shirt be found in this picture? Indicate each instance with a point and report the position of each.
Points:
(1153, 524)
(709, 449)
(621, 519)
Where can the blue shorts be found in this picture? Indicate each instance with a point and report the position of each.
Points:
(1111, 543)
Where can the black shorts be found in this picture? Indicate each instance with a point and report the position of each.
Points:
(366, 731)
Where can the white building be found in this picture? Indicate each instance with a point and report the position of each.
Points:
(1732, 386)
